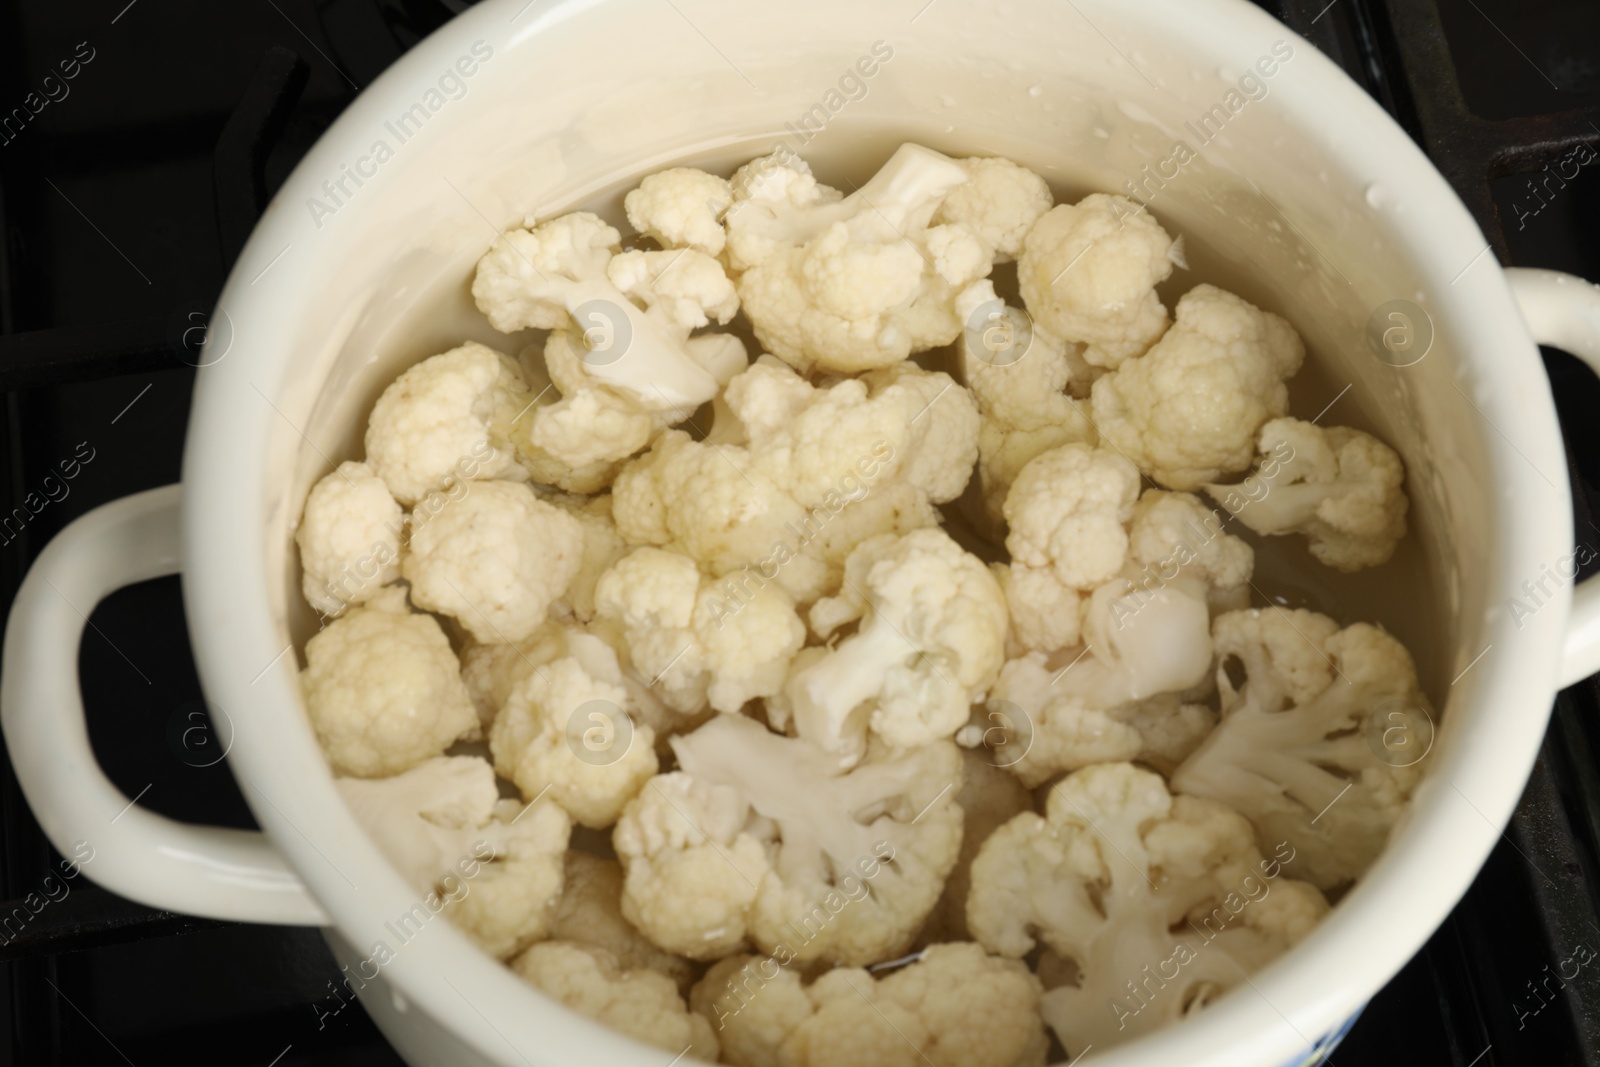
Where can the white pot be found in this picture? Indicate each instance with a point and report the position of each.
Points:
(1311, 202)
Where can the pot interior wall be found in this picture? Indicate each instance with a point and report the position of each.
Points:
(578, 102)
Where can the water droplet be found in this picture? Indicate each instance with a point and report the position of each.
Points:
(1376, 197)
(1035, 90)
(947, 101)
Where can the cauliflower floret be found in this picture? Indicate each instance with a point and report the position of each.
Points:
(639, 1002)
(780, 188)
(953, 1006)
(349, 539)
(595, 421)
(1189, 409)
(941, 429)
(759, 837)
(754, 1004)
(687, 287)
(1058, 729)
(698, 645)
(491, 672)
(1343, 489)
(443, 822)
(587, 426)
(1136, 579)
(496, 560)
(545, 469)
(382, 689)
(1174, 534)
(1322, 746)
(1089, 271)
(590, 911)
(567, 733)
(681, 208)
(857, 283)
(1139, 643)
(931, 639)
(555, 277)
(446, 420)
(713, 504)
(692, 870)
(900, 423)
(1128, 881)
(895, 509)
(1067, 510)
(1020, 377)
(781, 506)
(999, 204)
(849, 1030)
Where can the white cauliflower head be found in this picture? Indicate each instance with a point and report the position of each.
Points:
(692, 870)
(1189, 409)
(1175, 534)
(1089, 271)
(710, 502)
(588, 425)
(685, 287)
(931, 638)
(492, 866)
(897, 424)
(814, 468)
(382, 689)
(1141, 642)
(639, 1002)
(565, 733)
(757, 838)
(1049, 727)
(681, 208)
(780, 189)
(590, 911)
(954, 1005)
(697, 644)
(555, 276)
(445, 421)
(491, 672)
(350, 538)
(1162, 902)
(941, 427)
(1343, 489)
(1323, 743)
(1172, 562)
(999, 204)
(1067, 511)
(857, 283)
(1025, 380)
(600, 420)
(495, 560)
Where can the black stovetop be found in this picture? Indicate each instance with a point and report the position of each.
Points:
(123, 202)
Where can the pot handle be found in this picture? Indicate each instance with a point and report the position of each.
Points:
(199, 870)
(1563, 311)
